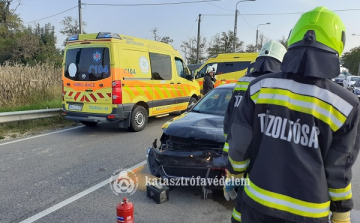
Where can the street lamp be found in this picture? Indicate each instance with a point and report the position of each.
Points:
(235, 25)
(257, 33)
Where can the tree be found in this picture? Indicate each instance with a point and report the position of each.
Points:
(189, 48)
(351, 60)
(47, 51)
(71, 27)
(283, 41)
(29, 45)
(154, 32)
(223, 43)
(251, 48)
(26, 47)
(261, 41)
(9, 21)
(165, 39)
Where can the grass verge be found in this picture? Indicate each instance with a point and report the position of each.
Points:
(39, 105)
(32, 127)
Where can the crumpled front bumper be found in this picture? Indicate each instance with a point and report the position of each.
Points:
(188, 164)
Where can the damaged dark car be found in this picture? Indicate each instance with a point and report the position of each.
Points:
(192, 144)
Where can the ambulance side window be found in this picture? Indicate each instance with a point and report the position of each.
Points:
(160, 66)
(180, 67)
(228, 67)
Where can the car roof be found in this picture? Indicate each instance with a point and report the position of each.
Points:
(231, 85)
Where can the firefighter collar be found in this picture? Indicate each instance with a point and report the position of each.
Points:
(265, 65)
(311, 62)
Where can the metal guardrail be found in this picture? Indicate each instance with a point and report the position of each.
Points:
(6, 117)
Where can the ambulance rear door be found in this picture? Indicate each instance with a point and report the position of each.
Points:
(87, 79)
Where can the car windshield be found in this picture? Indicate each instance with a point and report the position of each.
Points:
(357, 84)
(215, 102)
(355, 79)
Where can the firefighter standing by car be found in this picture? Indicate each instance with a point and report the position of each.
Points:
(209, 80)
(268, 61)
(295, 133)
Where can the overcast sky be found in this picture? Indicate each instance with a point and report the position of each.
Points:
(179, 21)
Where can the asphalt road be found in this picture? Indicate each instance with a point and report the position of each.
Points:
(56, 169)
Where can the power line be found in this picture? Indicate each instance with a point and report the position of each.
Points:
(53, 15)
(294, 13)
(283, 13)
(219, 7)
(151, 4)
(177, 3)
(193, 26)
(246, 21)
(345, 10)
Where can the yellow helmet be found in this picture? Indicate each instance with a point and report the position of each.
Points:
(319, 28)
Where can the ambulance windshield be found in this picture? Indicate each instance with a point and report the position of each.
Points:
(87, 64)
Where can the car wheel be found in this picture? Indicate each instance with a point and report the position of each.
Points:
(89, 123)
(139, 118)
(153, 165)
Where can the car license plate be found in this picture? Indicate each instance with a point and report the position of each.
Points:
(76, 107)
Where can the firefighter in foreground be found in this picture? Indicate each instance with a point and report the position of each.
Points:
(268, 61)
(295, 133)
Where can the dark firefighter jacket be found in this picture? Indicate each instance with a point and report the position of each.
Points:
(296, 135)
(263, 65)
(208, 84)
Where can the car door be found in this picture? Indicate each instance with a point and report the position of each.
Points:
(184, 84)
(163, 84)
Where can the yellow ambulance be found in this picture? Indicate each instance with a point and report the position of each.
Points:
(111, 77)
(228, 67)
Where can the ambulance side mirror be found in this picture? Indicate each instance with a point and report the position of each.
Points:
(189, 76)
(190, 106)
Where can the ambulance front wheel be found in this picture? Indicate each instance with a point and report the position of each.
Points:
(139, 118)
(192, 101)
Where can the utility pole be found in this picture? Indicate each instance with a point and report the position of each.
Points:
(198, 40)
(235, 24)
(80, 18)
(256, 43)
(235, 28)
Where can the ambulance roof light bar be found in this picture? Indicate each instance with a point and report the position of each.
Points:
(74, 37)
(103, 35)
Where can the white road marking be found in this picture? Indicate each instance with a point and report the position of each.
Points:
(37, 136)
(75, 197)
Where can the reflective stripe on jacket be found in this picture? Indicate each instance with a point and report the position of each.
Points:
(297, 139)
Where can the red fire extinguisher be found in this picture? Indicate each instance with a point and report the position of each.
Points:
(125, 211)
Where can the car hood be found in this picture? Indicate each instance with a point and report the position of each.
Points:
(197, 126)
